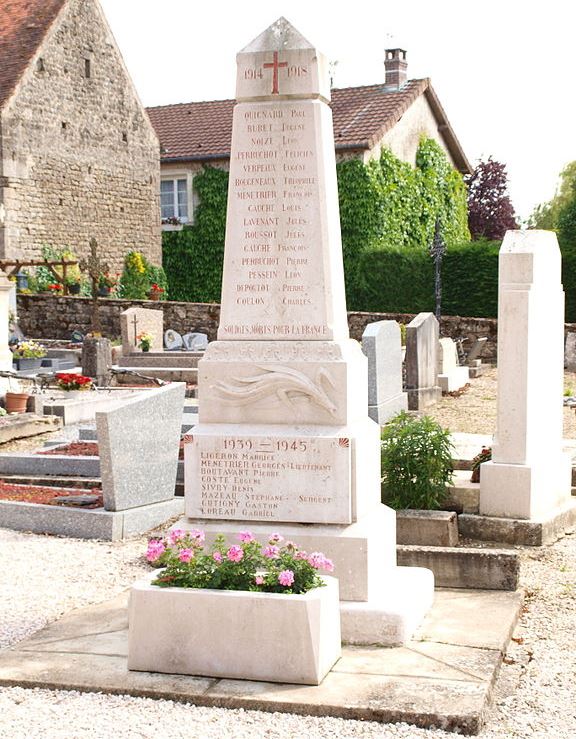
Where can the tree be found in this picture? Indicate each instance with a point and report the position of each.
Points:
(546, 215)
(490, 210)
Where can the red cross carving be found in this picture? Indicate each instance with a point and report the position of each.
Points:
(275, 66)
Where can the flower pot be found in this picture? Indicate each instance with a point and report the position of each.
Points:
(146, 347)
(235, 634)
(27, 364)
(74, 288)
(16, 402)
(104, 292)
(155, 295)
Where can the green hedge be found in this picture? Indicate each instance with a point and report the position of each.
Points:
(402, 280)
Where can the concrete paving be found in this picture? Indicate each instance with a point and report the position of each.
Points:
(442, 678)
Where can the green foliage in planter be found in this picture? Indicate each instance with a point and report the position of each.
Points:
(193, 258)
(157, 276)
(416, 462)
(387, 204)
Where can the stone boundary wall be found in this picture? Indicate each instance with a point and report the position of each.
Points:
(51, 317)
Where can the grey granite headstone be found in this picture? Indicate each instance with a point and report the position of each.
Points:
(195, 342)
(422, 361)
(477, 349)
(382, 344)
(97, 360)
(172, 340)
(139, 444)
(570, 352)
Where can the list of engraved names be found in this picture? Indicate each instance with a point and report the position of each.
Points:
(271, 478)
(272, 220)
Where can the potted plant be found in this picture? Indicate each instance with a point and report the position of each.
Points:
(144, 341)
(73, 285)
(483, 456)
(106, 283)
(242, 611)
(28, 355)
(55, 288)
(172, 224)
(156, 291)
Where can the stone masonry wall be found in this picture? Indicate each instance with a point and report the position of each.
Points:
(79, 157)
(49, 317)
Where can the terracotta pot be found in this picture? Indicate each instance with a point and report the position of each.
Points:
(155, 295)
(16, 402)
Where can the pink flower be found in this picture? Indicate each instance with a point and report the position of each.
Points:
(276, 538)
(259, 580)
(271, 552)
(197, 535)
(246, 537)
(317, 560)
(175, 535)
(235, 553)
(301, 555)
(286, 578)
(156, 549)
(217, 557)
(328, 565)
(185, 555)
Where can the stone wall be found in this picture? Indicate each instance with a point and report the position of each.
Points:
(49, 317)
(79, 157)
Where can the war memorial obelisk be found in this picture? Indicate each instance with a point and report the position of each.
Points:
(284, 442)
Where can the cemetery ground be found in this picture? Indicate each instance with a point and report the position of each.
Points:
(45, 578)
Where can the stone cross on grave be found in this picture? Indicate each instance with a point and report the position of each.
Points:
(94, 267)
(437, 251)
(135, 324)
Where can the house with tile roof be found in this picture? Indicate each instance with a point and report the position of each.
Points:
(78, 155)
(395, 115)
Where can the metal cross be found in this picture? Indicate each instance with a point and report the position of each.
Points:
(94, 267)
(437, 251)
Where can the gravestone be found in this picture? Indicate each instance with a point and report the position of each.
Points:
(382, 345)
(570, 352)
(139, 444)
(6, 288)
(284, 442)
(195, 342)
(422, 362)
(135, 321)
(529, 475)
(173, 340)
(451, 376)
(97, 360)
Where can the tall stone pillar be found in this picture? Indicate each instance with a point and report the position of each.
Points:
(284, 442)
(529, 476)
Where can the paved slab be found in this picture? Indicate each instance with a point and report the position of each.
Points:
(442, 679)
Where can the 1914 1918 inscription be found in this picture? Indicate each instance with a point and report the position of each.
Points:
(261, 477)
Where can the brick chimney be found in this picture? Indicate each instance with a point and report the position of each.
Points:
(396, 67)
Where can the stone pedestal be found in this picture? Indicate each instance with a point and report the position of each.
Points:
(529, 476)
(382, 345)
(97, 360)
(284, 442)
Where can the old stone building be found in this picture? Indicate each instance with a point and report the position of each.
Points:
(395, 114)
(78, 155)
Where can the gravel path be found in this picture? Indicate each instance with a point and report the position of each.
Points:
(45, 577)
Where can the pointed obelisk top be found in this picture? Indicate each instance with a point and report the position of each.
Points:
(281, 64)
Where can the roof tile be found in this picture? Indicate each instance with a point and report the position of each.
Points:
(23, 25)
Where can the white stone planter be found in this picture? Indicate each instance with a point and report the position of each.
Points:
(235, 634)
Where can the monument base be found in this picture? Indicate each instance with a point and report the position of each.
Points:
(383, 412)
(525, 491)
(454, 380)
(390, 618)
(423, 397)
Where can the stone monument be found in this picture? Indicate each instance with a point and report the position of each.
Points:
(422, 335)
(382, 345)
(451, 375)
(529, 475)
(284, 442)
(136, 321)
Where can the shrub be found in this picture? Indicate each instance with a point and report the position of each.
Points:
(416, 463)
(134, 283)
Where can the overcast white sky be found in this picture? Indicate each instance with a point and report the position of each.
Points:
(503, 69)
